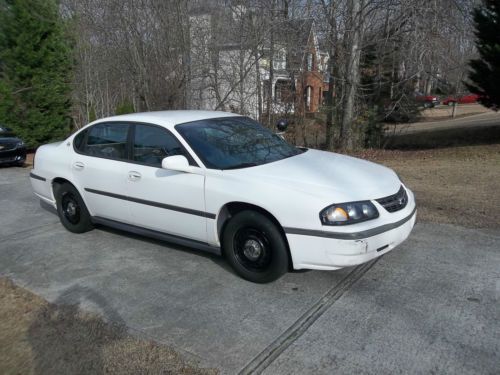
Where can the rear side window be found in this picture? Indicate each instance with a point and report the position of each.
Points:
(152, 144)
(107, 141)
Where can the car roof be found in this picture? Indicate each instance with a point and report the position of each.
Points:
(168, 119)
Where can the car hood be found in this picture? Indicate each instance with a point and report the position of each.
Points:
(320, 173)
(9, 140)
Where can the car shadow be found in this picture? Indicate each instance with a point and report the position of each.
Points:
(217, 259)
(65, 340)
(48, 207)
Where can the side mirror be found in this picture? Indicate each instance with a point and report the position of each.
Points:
(176, 163)
(282, 124)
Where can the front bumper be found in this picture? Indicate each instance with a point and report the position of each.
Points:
(322, 253)
(17, 155)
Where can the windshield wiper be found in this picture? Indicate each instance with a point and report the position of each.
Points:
(241, 165)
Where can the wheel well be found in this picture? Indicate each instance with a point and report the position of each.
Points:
(232, 208)
(56, 182)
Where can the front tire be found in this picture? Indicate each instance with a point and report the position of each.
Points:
(72, 211)
(255, 247)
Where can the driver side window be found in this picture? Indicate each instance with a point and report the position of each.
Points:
(152, 144)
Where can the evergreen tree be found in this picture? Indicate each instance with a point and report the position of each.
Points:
(125, 107)
(35, 68)
(485, 71)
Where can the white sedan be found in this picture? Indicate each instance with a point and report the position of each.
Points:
(223, 183)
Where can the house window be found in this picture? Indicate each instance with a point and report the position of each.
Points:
(307, 97)
(309, 62)
(279, 62)
(283, 91)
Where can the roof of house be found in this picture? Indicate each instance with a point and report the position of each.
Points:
(294, 32)
(230, 33)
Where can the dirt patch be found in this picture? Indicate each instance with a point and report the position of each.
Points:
(456, 185)
(41, 338)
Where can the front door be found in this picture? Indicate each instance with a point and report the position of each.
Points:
(164, 200)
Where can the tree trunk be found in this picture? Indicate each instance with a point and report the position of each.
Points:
(351, 72)
(331, 98)
(258, 85)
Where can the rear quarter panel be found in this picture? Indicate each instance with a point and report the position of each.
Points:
(51, 161)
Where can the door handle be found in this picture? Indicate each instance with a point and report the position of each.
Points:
(134, 176)
(78, 165)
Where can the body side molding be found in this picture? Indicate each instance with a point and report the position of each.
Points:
(178, 240)
(153, 204)
(36, 177)
(350, 236)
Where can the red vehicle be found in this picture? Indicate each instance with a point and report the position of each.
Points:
(428, 101)
(463, 99)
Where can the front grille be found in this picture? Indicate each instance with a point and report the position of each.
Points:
(395, 202)
(9, 159)
(7, 146)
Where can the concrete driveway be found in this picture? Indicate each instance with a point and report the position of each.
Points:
(432, 305)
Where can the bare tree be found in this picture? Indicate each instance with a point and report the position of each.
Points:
(354, 37)
(231, 55)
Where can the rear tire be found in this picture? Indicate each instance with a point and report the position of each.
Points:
(72, 211)
(255, 247)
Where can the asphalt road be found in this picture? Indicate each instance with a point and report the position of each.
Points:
(480, 120)
(430, 306)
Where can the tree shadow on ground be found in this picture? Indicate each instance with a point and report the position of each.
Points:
(445, 138)
(64, 339)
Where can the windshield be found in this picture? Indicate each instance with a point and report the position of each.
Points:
(234, 142)
(6, 133)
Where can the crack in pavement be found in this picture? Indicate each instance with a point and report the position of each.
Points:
(300, 326)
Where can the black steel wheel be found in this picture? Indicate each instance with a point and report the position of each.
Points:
(255, 247)
(252, 249)
(71, 209)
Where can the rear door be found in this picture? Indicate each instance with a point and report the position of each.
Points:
(100, 169)
(164, 200)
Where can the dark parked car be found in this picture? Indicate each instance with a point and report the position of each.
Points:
(12, 149)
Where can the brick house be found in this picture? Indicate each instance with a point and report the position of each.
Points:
(306, 65)
(218, 56)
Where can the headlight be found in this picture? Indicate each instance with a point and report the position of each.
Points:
(20, 144)
(348, 213)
